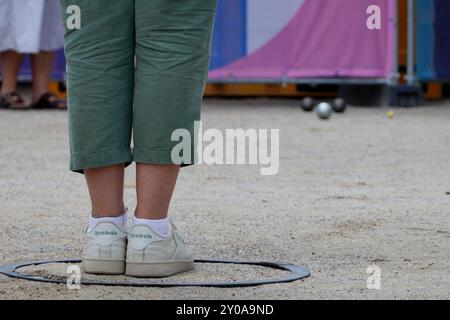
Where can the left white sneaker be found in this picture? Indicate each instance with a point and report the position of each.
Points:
(105, 250)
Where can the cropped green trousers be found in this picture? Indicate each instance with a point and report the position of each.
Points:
(136, 71)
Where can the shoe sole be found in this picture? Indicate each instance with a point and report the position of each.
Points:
(104, 266)
(157, 270)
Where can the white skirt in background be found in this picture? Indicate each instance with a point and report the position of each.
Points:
(30, 26)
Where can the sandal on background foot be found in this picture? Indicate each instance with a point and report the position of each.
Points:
(12, 100)
(49, 101)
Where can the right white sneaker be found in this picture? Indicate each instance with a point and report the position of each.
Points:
(105, 250)
(151, 255)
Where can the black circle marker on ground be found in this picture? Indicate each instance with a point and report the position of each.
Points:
(295, 273)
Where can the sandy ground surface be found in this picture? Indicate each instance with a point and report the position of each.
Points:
(355, 191)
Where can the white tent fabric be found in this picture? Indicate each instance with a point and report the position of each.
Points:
(30, 26)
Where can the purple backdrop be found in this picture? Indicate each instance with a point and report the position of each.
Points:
(320, 38)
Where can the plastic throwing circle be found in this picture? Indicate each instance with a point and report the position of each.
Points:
(294, 273)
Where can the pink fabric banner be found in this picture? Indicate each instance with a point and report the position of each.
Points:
(325, 38)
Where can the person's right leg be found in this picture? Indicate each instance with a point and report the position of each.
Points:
(155, 184)
(172, 53)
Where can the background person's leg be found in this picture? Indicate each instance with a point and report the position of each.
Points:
(11, 62)
(42, 64)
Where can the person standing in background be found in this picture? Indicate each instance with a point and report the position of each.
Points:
(29, 27)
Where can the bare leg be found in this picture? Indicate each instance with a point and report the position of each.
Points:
(106, 190)
(11, 62)
(42, 64)
(154, 185)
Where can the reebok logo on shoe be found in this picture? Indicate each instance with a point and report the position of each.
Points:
(105, 233)
(139, 236)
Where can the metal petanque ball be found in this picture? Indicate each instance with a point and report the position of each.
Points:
(324, 110)
(339, 105)
(308, 104)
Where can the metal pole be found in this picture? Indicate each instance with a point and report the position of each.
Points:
(394, 77)
(410, 76)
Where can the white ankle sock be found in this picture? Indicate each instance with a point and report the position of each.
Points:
(120, 221)
(161, 226)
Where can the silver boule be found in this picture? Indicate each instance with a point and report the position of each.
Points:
(324, 110)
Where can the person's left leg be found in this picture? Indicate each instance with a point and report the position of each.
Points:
(105, 186)
(100, 78)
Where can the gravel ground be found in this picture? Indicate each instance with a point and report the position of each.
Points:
(355, 191)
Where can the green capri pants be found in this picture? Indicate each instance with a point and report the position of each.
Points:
(136, 70)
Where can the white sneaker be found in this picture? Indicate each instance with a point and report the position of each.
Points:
(151, 255)
(105, 250)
